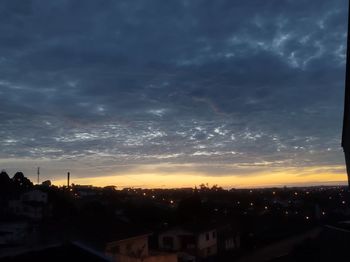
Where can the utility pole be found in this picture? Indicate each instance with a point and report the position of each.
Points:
(346, 121)
(38, 173)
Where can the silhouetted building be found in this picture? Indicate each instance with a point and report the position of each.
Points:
(123, 242)
(32, 204)
(13, 233)
(199, 241)
(84, 190)
(135, 249)
(229, 238)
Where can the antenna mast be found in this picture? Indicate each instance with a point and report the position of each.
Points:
(38, 173)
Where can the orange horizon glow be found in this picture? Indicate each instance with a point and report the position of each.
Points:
(277, 177)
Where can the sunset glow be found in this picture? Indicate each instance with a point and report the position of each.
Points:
(326, 175)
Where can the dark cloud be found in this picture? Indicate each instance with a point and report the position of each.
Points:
(182, 81)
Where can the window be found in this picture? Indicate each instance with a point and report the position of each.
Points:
(214, 234)
(168, 242)
(207, 236)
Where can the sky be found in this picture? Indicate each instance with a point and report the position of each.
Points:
(155, 93)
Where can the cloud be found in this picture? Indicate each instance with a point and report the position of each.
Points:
(186, 82)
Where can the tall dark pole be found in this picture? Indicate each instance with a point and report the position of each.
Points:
(346, 121)
(68, 178)
(38, 173)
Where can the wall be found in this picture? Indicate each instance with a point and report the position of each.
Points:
(162, 258)
(203, 242)
(155, 258)
(135, 247)
(207, 247)
(176, 239)
(35, 195)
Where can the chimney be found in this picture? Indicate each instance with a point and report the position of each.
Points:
(68, 177)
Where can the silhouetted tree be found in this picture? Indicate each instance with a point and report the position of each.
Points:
(21, 182)
(5, 183)
(4, 178)
(191, 209)
(46, 183)
(216, 188)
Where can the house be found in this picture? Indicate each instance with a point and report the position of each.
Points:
(84, 190)
(228, 238)
(135, 249)
(134, 246)
(32, 204)
(35, 195)
(193, 240)
(13, 233)
(124, 242)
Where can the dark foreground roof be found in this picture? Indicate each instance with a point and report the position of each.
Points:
(333, 244)
(102, 233)
(66, 252)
